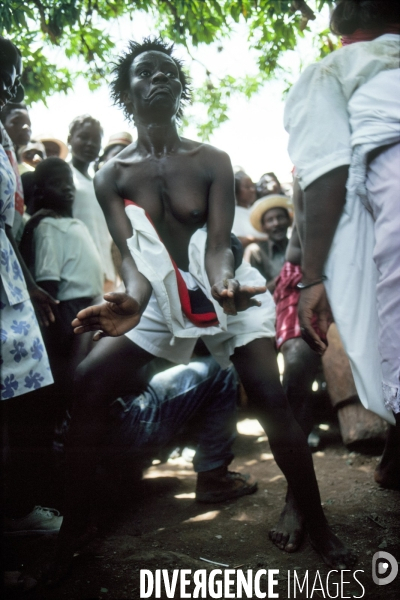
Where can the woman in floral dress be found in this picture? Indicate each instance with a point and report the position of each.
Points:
(24, 362)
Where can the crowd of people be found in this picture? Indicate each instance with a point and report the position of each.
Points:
(119, 263)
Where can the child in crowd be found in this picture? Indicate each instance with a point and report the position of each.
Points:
(61, 254)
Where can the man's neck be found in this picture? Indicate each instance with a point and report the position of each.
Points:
(158, 139)
(280, 245)
(81, 166)
(62, 213)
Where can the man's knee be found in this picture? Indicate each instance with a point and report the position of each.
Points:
(88, 378)
(300, 361)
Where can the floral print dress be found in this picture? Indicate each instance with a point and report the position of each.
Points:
(24, 363)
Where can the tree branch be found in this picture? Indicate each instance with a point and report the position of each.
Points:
(305, 10)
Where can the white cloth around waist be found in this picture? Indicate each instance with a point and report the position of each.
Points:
(164, 330)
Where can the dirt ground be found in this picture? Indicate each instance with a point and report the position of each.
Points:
(162, 527)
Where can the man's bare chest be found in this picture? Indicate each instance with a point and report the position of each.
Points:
(167, 190)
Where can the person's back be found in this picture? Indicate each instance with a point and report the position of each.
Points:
(316, 114)
(350, 216)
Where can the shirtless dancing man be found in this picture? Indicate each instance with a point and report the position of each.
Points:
(157, 196)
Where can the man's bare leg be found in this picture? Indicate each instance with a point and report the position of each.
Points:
(387, 473)
(301, 367)
(107, 372)
(258, 370)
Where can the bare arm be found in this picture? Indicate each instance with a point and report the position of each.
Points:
(293, 250)
(324, 200)
(120, 229)
(219, 258)
(250, 239)
(221, 209)
(122, 311)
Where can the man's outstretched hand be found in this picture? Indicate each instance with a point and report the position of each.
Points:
(119, 314)
(314, 301)
(234, 297)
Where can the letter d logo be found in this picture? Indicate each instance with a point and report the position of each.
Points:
(380, 568)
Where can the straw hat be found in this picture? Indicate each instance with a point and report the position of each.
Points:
(49, 138)
(263, 204)
(122, 138)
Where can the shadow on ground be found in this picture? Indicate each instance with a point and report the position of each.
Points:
(158, 525)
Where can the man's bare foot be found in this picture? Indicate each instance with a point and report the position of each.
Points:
(288, 534)
(388, 474)
(333, 552)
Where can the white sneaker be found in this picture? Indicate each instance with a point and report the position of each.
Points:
(41, 520)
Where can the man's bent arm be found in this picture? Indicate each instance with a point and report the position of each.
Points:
(120, 229)
(324, 200)
(221, 207)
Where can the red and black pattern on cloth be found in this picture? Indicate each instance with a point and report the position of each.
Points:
(286, 296)
(195, 304)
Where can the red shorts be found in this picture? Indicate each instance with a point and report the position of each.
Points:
(286, 298)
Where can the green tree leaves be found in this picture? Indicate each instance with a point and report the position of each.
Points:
(63, 39)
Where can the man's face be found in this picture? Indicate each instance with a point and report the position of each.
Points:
(9, 79)
(267, 185)
(275, 223)
(86, 142)
(155, 87)
(18, 126)
(247, 192)
(59, 190)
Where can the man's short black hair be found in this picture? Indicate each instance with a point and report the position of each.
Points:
(9, 108)
(120, 85)
(9, 53)
(45, 167)
(80, 121)
(350, 15)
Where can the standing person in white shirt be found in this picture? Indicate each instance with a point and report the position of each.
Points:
(245, 194)
(342, 117)
(85, 135)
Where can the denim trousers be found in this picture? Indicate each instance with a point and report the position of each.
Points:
(200, 395)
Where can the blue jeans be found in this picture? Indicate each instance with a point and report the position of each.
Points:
(201, 393)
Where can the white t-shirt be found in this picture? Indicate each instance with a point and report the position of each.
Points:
(316, 115)
(242, 226)
(65, 252)
(87, 209)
